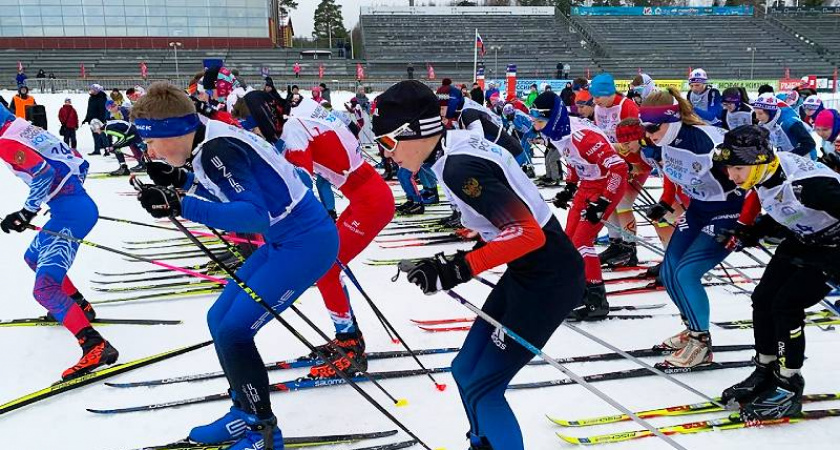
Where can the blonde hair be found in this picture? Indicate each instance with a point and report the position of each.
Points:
(667, 96)
(162, 101)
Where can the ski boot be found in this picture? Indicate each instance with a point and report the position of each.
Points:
(595, 305)
(529, 170)
(782, 399)
(451, 221)
(696, 352)
(123, 170)
(478, 442)
(653, 272)
(611, 251)
(96, 352)
(261, 434)
(547, 182)
(676, 341)
(411, 208)
(138, 168)
(353, 345)
(230, 427)
(624, 255)
(746, 391)
(80, 300)
(430, 196)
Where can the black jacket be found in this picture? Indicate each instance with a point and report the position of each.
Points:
(96, 108)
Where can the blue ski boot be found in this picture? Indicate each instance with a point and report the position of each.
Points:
(262, 434)
(478, 442)
(230, 427)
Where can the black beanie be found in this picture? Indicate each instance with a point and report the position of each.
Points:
(545, 101)
(746, 145)
(411, 102)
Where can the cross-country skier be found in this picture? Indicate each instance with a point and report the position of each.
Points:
(319, 142)
(597, 181)
(827, 126)
(788, 133)
(240, 183)
(736, 109)
(610, 109)
(810, 109)
(544, 276)
(121, 134)
(687, 148)
(802, 200)
(705, 99)
(55, 174)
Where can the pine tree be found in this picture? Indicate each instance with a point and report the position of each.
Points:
(328, 18)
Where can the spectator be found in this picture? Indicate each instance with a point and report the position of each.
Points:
(295, 90)
(40, 76)
(117, 97)
(52, 82)
(116, 111)
(21, 101)
(567, 94)
(532, 95)
(559, 73)
(69, 119)
(296, 69)
(362, 99)
(21, 78)
(464, 91)
(348, 50)
(409, 69)
(316, 94)
(566, 69)
(325, 92)
(96, 110)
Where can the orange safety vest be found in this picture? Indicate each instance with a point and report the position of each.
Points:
(21, 105)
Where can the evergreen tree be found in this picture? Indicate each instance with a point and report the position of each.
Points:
(328, 18)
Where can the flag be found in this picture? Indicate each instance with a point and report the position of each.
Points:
(144, 70)
(431, 71)
(20, 66)
(82, 67)
(321, 71)
(360, 72)
(479, 44)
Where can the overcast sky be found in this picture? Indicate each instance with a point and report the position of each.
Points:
(302, 16)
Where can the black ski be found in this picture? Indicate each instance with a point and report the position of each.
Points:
(45, 322)
(288, 442)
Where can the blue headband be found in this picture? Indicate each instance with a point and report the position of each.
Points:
(248, 123)
(167, 128)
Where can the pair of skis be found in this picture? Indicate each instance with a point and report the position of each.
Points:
(301, 442)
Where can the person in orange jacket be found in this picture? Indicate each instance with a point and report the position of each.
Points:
(21, 101)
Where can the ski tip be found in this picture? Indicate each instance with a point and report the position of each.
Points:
(401, 402)
(561, 422)
(396, 341)
(570, 439)
(440, 386)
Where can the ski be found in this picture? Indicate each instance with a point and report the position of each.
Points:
(668, 411)
(149, 287)
(430, 242)
(84, 380)
(747, 324)
(289, 442)
(161, 295)
(731, 422)
(299, 384)
(45, 322)
(204, 266)
(634, 373)
(472, 319)
(394, 446)
(174, 276)
(297, 363)
(432, 329)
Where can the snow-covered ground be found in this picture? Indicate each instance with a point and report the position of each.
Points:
(34, 357)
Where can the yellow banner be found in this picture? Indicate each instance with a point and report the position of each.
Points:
(622, 86)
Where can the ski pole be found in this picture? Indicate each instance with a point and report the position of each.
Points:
(194, 232)
(259, 300)
(235, 251)
(439, 386)
(626, 355)
(129, 255)
(407, 266)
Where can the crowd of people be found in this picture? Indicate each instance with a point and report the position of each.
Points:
(246, 160)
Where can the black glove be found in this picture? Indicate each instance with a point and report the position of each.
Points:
(832, 160)
(739, 238)
(160, 201)
(163, 174)
(17, 221)
(594, 211)
(657, 212)
(562, 199)
(203, 108)
(436, 273)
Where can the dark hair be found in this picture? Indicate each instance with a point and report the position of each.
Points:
(294, 86)
(733, 91)
(323, 85)
(764, 88)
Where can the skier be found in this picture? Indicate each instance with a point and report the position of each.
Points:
(736, 109)
(705, 99)
(121, 134)
(239, 183)
(643, 85)
(802, 200)
(610, 109)
(319, 142)
(827, 126)
(687, 147)
(810, 109)
(787, 132)
(55, 174)
(544, 272)
(602, 176)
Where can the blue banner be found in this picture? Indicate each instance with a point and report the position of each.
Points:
(662, 11)
(524, 85)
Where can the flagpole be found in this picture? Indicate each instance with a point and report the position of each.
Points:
(475, 55)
